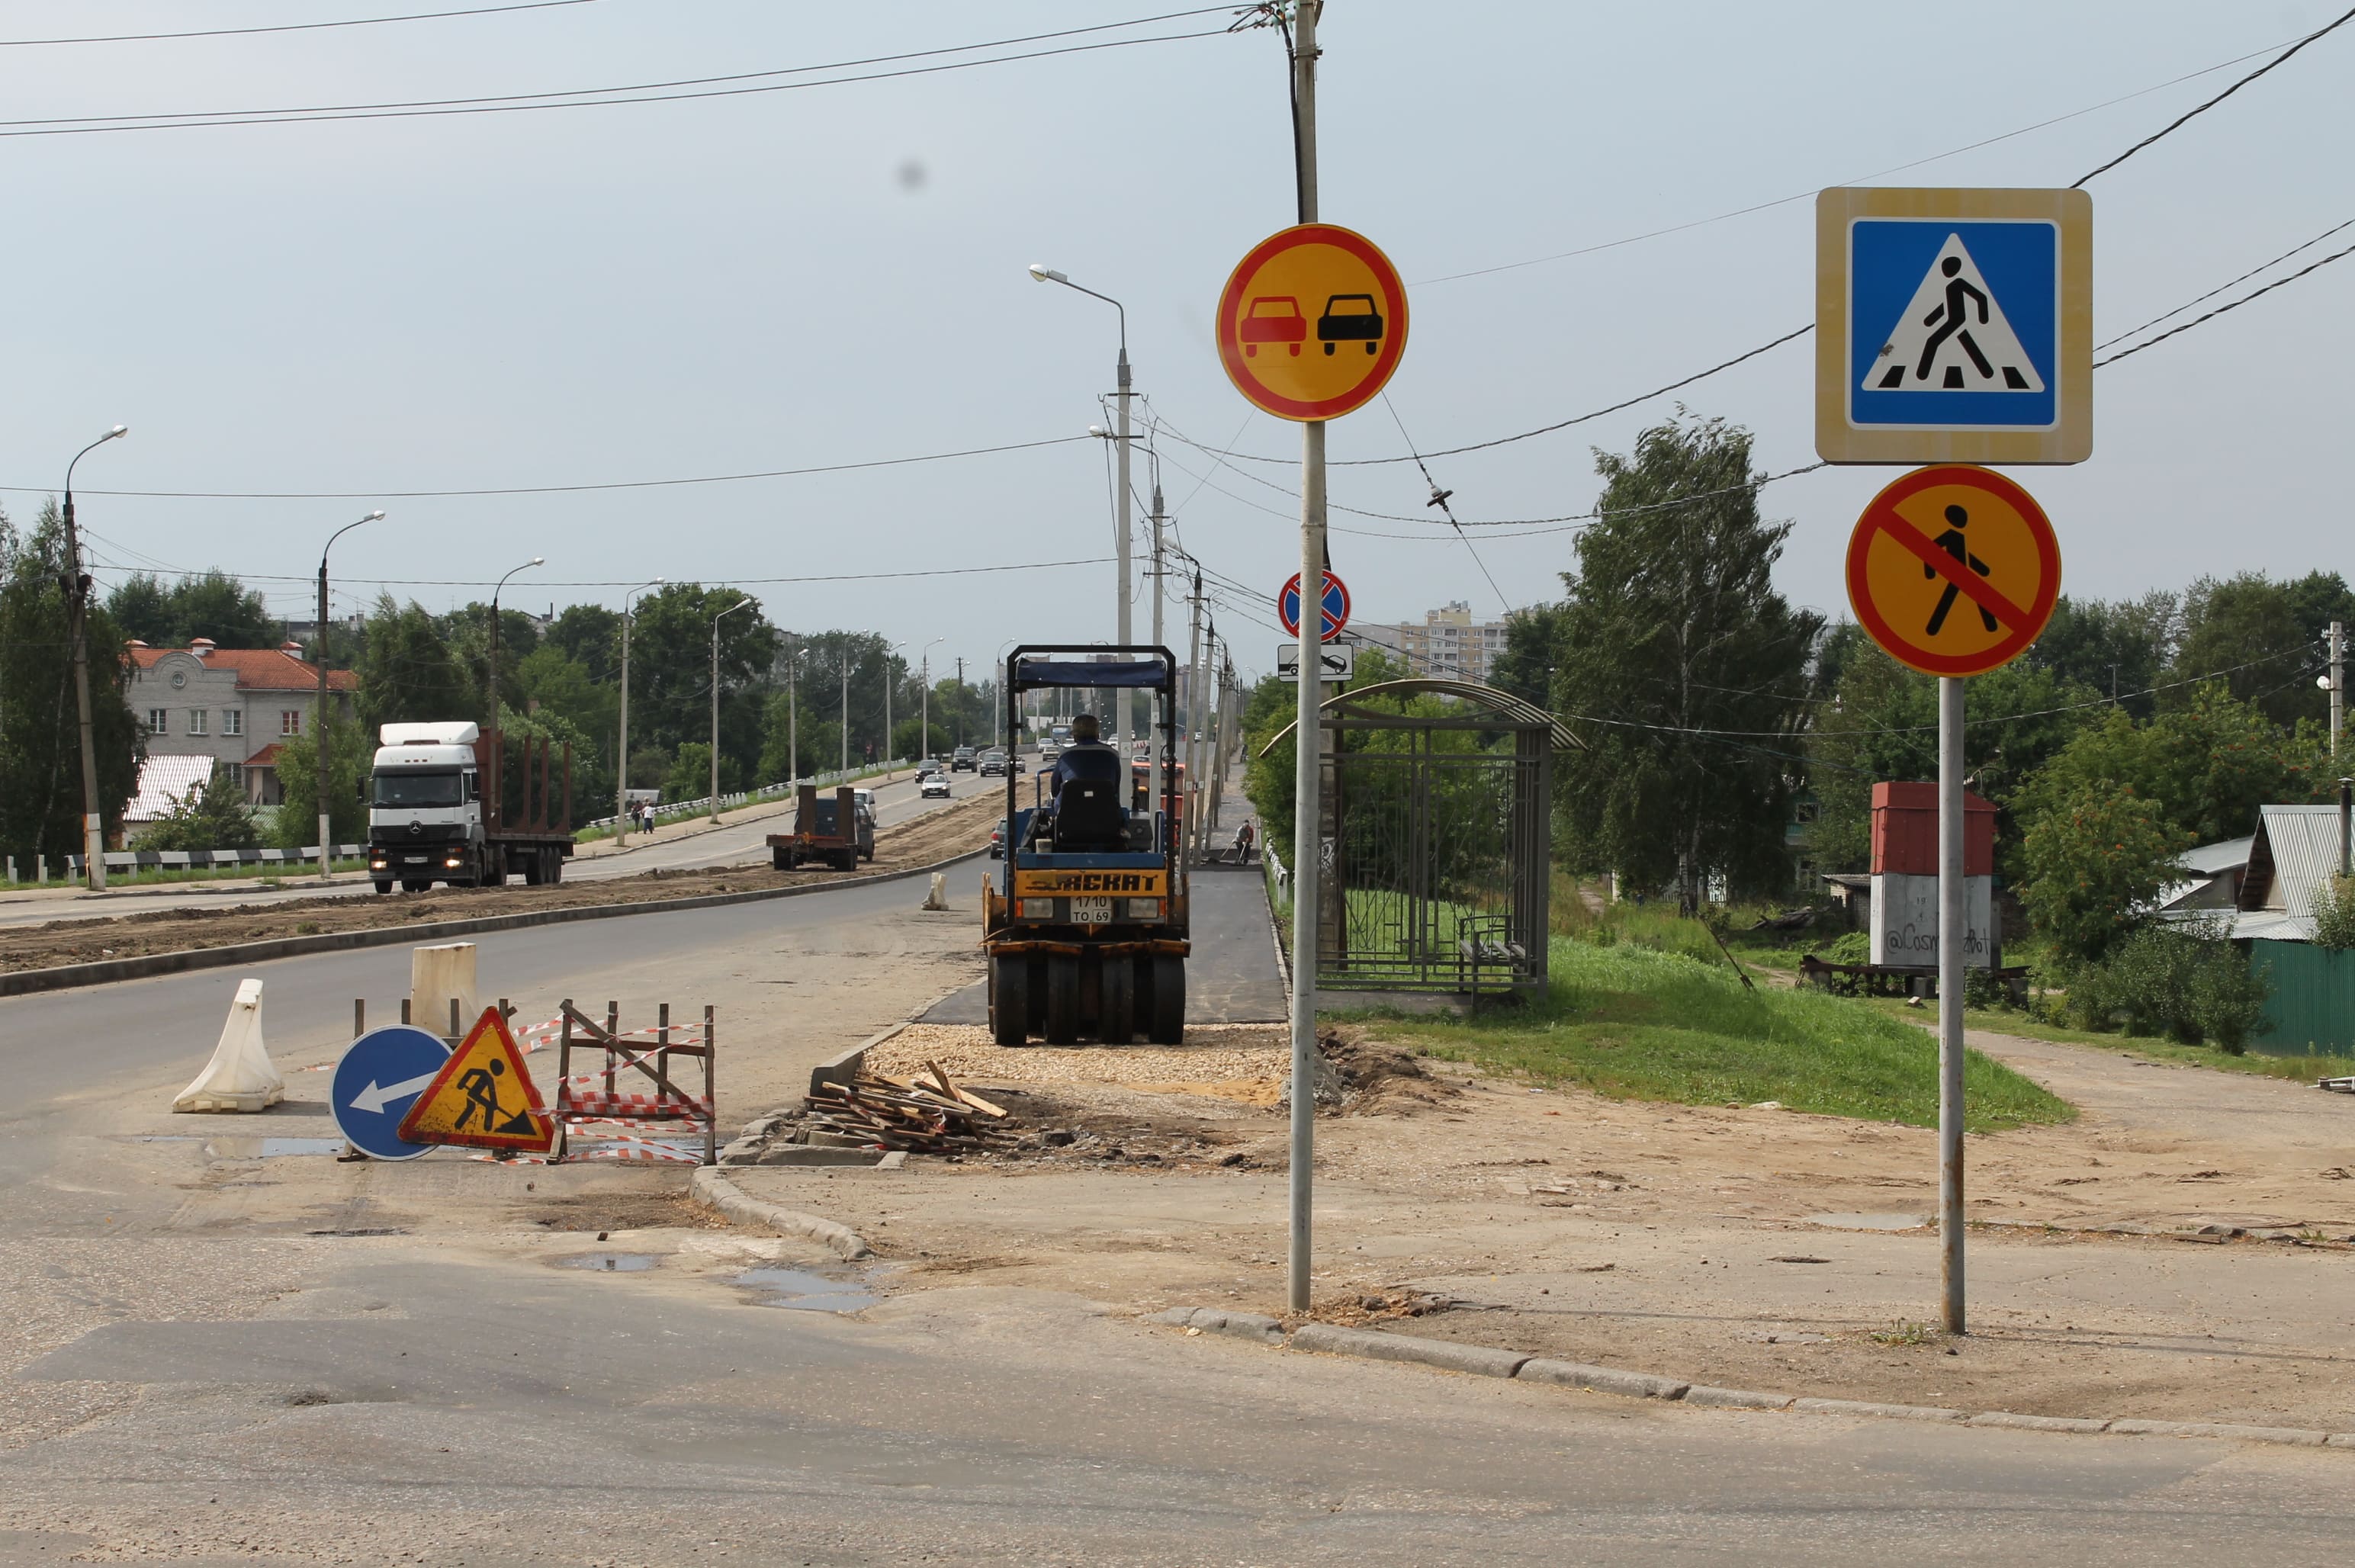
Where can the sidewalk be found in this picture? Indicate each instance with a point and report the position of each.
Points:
(671, 832)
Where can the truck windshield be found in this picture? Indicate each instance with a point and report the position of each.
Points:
(437, 788)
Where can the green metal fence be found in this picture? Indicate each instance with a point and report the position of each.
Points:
(2311, 1011)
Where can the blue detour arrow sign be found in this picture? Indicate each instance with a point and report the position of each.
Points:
(380, 1076)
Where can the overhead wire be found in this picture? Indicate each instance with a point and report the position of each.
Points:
(671, 91)
(290, 27)
(2212, 294)
(2227, 306)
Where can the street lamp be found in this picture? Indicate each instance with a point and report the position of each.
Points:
(93, 825)
(845, 703)
(1013, 743)
(793, 718)
(535, 561)
(622, 788)
(740, 604)
(319, 716)
(1043, 273)
(888, 682)
(924, 724)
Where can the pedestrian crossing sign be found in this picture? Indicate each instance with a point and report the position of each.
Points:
(1954, 325)
(483, 1097)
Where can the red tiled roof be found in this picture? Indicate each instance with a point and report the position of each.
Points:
(265, 757)
(258, 669)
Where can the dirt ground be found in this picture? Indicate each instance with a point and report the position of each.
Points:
(934, 836)
(1744, 1246)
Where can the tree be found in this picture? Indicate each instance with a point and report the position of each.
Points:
(557, 684)
(215, 605)
(2204, 768)
(690, 774)
(591, 635)
(2121, 648)
(40, 741)
(2263, 638)
(210, 815)
(1682, 670)
(670, 672)
(2096, 860)
(1524, 668)
(408, 672)
(351, 753)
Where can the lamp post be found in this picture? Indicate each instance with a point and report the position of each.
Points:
(1043, 273)
(740, 604)
(535, 561)
(924, 724)
(888, 682)
(1013, 743)
(319, 716)
(622, 787)
(94, 825)
(793, 719)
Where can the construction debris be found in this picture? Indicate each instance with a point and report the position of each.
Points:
(927, 1114)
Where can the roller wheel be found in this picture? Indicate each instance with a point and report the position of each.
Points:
(1062, 1000)
(1009, 1000)
(385, 886)
(1118, 1011)
(1165, 1021)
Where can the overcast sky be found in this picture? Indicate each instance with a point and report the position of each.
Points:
(782, 280)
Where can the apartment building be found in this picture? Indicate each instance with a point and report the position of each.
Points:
(1449, 642)
(235, 705)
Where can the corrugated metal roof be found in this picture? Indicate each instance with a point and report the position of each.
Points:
(163, 783)
(2208, 859)
(2304, 840)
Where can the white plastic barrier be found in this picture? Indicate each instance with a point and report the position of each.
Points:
(437, 974)
(240, 1076)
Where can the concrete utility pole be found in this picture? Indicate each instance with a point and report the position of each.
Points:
(2338, 684)
(960, 700)
(925, 724)
(1953, 909)
(1307, 839)
(884, 756)
(622, 787)
(794, 717)
(1189, 793)
(1158, 519)
(319, 720)
(715, 701)
(93, 823)
(846, 709)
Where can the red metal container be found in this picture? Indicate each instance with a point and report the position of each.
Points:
(1905, 831)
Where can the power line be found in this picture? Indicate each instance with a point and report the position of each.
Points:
(1860, 179)
(2197, 110)
(549, 489)
(290, 27)
(599, 97)
(2221, 309)
(2219, 288)
(634, 581)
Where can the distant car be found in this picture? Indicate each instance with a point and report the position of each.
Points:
(993, 765)
(1049, 754)
(997, 842)
(1350, 318)
(933, 784)
(963, 760)
(1272, 318)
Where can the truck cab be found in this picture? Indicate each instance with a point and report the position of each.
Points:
(434, 812)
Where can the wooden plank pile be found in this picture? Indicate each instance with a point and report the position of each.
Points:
(919, 1114)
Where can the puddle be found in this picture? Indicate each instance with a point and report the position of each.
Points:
(802, 1292)
(1870, 1222)
(611, 1262)
(270, 1148)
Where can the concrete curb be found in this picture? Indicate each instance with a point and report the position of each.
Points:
(714, 1190)
(1481, 1360)
(110, 971)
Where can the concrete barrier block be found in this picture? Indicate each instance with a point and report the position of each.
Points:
(436, 975)
(1476, 1359)
(1601, 1380)
(240, 1075)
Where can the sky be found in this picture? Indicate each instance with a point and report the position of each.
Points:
(836, 274)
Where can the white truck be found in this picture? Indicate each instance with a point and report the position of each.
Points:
(443, 806)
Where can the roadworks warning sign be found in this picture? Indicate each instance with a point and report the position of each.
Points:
(483, 1097)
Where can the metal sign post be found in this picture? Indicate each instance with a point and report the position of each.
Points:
(1307, 849)
(1951, 916)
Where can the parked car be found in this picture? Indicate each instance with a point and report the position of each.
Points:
(933, 785)
(963, 760)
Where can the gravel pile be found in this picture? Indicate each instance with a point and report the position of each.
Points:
(1214, 1053)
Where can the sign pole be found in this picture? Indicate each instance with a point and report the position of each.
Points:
(1307, 800)
(1952, 912)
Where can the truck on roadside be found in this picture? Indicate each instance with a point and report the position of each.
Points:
(837, 830)
(450, 804)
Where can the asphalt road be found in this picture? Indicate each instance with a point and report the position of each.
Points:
(736, 843)
(192, 1372)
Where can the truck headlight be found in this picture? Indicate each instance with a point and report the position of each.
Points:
(1143, 909)
(451, 863)
(1036, 909)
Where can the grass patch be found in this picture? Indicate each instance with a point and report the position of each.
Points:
(1635, 1024)
(2151, 1047)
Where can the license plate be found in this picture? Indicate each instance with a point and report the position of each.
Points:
(1092, 911)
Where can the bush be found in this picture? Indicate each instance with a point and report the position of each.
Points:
(2334, 914)
(1848, 947)
(2095, 861)
(2186, 982)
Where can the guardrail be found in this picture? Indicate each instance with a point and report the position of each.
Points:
(676, 810)
(183, 859)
